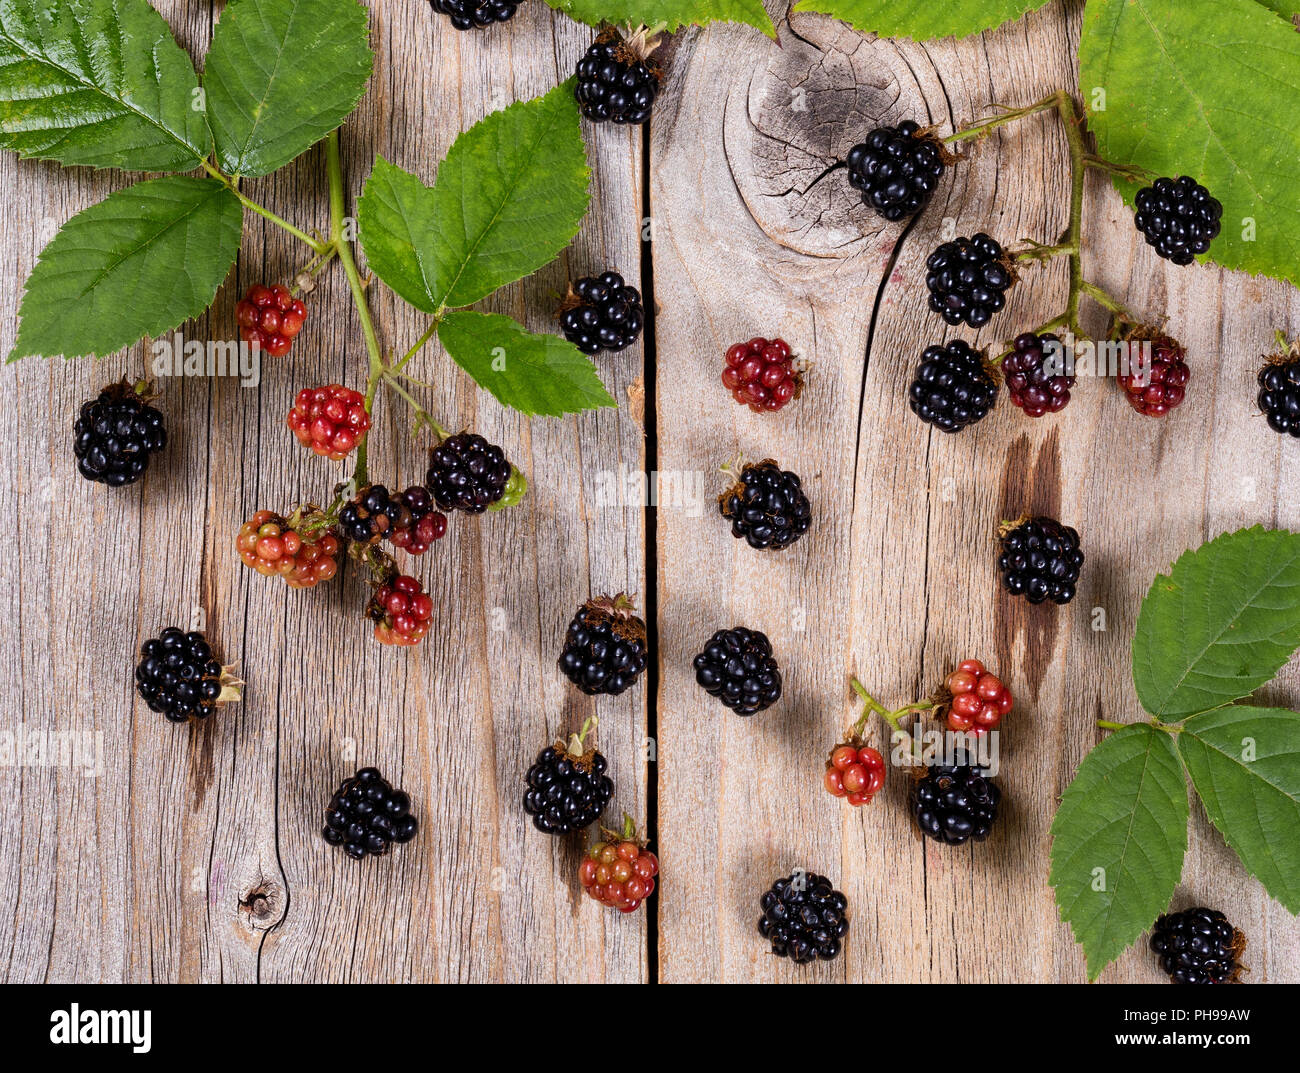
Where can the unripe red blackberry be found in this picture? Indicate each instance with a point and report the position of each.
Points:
(331, 420)
(1178, 218)
(896, 169)
(605, 646)
(762, 374)
(270, 318)
(401, 611)
(1198, 946)
(303, 556)
(978, 699)
(116, 432)
(619, 871)
(180, 676)
(854, 771)
(602, 313)
(467, 473)
(1035, 374)
(1163, 386)
(766, 506)
(367, 815)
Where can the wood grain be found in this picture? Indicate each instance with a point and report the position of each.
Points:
(194, 855)
(896, 581)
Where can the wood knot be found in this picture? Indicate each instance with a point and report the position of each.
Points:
(789, 129)
(262, 906)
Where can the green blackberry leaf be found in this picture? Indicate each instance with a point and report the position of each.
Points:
(922, 20)
(98, 82)
(399, 234)
(1176, 88)
(509, 197)
(282, 74)
(1220, 624)
(1118, 841)
(672, 14)
(534, 374)
(1245, 764)
(1286, 8)
(141, 262)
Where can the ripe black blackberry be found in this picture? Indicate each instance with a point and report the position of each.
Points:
(968, 279)
(602, 313)
(567, 787)
(467, 473)
(1040, 560)
(468, 14)
(767, 506)
(367, 815)
(955, 803)
(1279, 394)
(180, 676)
(115, 433)
(616, 83)
(952, 387)
(605, 647)
(896, 169)
(1198, 946)
(804, 918)
(371, 516)
(737, 667)
(1178, 217)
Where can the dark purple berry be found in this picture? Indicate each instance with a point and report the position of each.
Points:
(896, 169)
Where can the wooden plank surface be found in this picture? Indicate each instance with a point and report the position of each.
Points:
(194, 853)
(896, 580)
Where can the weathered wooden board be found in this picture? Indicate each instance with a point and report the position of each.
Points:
(896, 581)
(194, 853)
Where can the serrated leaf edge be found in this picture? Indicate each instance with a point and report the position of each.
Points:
(1093, 970)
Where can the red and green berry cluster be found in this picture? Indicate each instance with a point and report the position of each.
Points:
(620, 874)
(331, 420)
(979, 699)
(271, 546)
(401, 610)
(762, 374)
(855, 771)
(270, 318)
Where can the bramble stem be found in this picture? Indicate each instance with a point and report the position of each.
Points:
(419, 345)
(889, 717)
(265, 213)
(1125, 171)
(421, 414)
(1071, 245)
(1107, 301)
(983, 126)
(337, 214)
